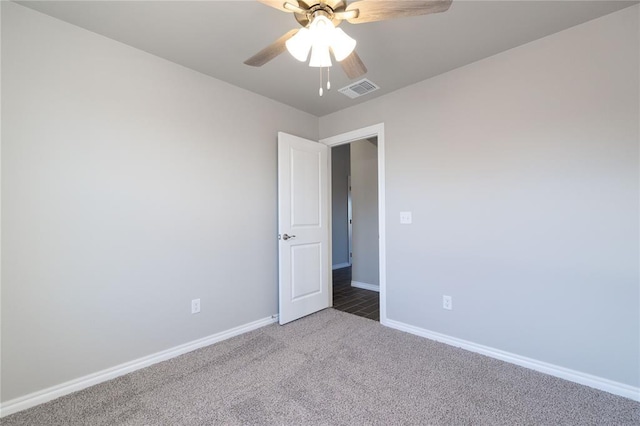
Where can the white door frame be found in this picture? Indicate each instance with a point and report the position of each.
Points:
(377, 130)
(349, 218)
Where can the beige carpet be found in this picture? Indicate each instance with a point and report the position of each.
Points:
(333, 368)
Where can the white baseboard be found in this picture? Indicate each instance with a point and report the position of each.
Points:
(45, 395)
(365, 286)
(596, 382)
(340, 266)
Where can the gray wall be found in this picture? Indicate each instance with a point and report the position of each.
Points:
(521, 171)
(130, 185)
(340, 167)
(364, 196)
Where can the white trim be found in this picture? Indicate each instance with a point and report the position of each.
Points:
(349, 216)
(340, 265)
(45, 395)
(590, 380)
(365, 286)
(354, 135)
(330, 224)
(377, 130)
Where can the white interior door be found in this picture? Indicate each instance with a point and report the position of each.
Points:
(303, 227)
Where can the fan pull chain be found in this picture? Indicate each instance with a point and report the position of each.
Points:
(321, 90)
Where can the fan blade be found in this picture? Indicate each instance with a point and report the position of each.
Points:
(294, 8)
(353, 66)
(279, 4)
(379, 10)
(271, 51)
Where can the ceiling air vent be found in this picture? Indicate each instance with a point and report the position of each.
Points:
(359, 88)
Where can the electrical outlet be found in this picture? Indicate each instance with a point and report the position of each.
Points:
(447, 302)
(195, 306)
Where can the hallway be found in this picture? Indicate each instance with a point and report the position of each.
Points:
(353, 300)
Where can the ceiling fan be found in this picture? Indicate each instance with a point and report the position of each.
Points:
(319, 34)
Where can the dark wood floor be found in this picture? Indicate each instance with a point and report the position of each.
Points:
(357, 301)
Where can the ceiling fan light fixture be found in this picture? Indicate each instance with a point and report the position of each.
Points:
(320, 38)
(341, 44)
(300, 44)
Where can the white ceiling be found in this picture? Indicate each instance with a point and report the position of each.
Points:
(215, 37)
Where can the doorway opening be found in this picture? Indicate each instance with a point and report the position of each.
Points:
(354, 205)
(357, 213)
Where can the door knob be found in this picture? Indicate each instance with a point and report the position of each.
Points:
(286, 237)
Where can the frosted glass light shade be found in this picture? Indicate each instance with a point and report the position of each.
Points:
(300, 44)
(320, 56)
(341, 44)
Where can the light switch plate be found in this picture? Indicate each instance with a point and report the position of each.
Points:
(405, 218)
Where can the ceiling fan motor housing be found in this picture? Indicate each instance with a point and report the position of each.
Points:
(326, 8)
